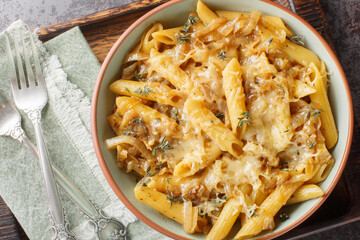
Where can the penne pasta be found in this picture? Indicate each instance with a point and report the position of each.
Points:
(225, 119)
(213, 127)
(157, 121)
(226, 220)
(271, 205)
(320, 99)
(148, 42)
(153, 91)
(204, 13)
(272, 23)
(300, 54)
(167, 36)
(305, 192)
(323, 172)
(234, 93)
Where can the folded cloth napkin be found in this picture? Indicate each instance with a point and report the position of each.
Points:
(70, 69)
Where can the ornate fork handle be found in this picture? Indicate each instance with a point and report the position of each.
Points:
(94, 216)
(60, 226)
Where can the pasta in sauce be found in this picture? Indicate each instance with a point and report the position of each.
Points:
(224, 118)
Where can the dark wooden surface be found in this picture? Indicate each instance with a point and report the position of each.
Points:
(103, 29)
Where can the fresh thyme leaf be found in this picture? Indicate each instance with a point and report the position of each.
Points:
(183, 37)
(129, 131)
(116, 114)
(127, 89)
(287, 131)
(190, 21)
(138, 91)
(164, 145)
(308, 116)
(316, 112)
(269, 41)
(297, 152)
(312, 145)
(245, 119)
(144, 183)
(221, 55)
(138, 77)
(296, 39)
(182, 120)
(283, 217)
(143, 92)
(137, 121)
(219, 115)
(170, 197)
(147, 90)
(148, 175)
(148, 170)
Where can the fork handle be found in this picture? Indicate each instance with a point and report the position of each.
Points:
(56, 209)
(60, 226)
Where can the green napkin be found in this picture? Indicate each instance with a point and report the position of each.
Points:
(70, 69)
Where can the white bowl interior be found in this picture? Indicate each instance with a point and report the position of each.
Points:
(176, 15)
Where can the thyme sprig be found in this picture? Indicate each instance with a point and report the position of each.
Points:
(140, 122)
(219, 115)
(164, 145)
(183, 35)
(245, 119)
(138, 77)
(221, 55)
(149, 174)
(190, 21)
(144, 92)
(137, 121)
(269, 41)
(296, 39)
(172, 199)
(129, 131)
(312, 145)
(316, 112)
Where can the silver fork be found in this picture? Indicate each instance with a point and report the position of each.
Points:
(30, 95)
(105, 227)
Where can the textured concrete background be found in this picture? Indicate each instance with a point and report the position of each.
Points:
(344, 23)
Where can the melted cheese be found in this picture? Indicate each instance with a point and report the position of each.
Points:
(282, 139)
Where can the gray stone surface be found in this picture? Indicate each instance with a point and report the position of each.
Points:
(343, 17)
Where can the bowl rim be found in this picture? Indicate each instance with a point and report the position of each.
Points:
(124, 199)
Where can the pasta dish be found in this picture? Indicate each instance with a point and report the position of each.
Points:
(225, 119)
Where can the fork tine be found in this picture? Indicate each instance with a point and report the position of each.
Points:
(22, 81)
(30, 74)
(39, 75)
(12, 69)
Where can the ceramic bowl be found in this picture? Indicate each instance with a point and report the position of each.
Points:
(174, 13)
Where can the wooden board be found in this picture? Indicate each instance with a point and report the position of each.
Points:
(102, 29)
